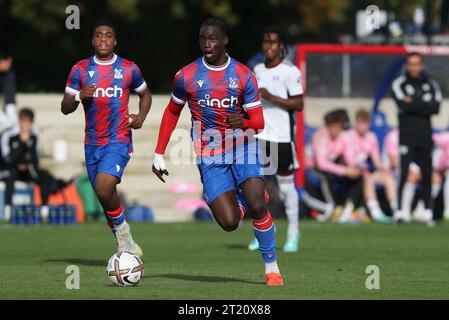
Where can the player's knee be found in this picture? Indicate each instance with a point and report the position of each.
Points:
(104, 192)
(229, 224)
(257, 209)
(230, 227)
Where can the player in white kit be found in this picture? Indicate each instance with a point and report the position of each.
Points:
(281, 92)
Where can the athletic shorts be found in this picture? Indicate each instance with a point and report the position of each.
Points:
(110, 159)
(279, 157)
(227, 171)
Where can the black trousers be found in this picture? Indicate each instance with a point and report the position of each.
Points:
(422, 156)
(354, 188)
(8, 86)
(41, 177)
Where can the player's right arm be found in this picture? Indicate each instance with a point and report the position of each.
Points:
(295, 91)
(74, 94)
(168, 124)
(69, 102)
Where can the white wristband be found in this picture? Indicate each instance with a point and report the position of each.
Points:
(77, 97)
(158, 162)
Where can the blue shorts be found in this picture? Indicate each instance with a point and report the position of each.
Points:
(110, 159)
(227, 171)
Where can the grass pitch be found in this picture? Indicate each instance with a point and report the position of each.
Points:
(199, 261)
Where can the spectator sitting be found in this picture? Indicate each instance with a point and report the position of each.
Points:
(333, 162)
(366, 155)
(8, 117)
(20, 155)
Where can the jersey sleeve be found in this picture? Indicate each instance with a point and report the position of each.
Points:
(73, 83)
(324, 164)
(294, 82)
(251, 97)
(137, 81)
(178, 94)
(258, 75)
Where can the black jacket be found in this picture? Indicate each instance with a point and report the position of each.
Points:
(15, 151)
(415, 126)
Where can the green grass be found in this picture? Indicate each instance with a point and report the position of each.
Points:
(199, 261)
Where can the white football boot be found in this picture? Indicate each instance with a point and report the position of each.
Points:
(427, 218)
(125, 241)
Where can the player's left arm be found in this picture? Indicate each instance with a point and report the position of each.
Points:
(140, 87)
(145, 101)
(255, 122)
(294, 101)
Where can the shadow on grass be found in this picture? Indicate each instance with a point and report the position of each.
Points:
(79, 261)
(199, 278)
(238, 246)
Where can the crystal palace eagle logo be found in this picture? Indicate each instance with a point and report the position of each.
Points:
(233, 84)
(118, 74)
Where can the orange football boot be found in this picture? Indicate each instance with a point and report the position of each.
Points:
(274, 279)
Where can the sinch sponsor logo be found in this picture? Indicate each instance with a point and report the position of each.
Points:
(111, 92)
(218, 103)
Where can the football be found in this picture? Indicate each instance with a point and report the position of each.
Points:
(125, 269)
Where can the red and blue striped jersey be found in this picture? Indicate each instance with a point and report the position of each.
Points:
(107, 112)
(213, 93)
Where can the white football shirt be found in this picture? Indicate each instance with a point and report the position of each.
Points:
(283, 81)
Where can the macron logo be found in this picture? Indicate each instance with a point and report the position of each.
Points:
(117, 167)
(91, 73)
(200, 83)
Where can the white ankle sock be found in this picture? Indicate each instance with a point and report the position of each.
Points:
(120, 226)
(408, 193)
(347, 212)
(374, 209)
(394, 206)
(271, 267)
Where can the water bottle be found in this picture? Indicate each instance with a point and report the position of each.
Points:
(20, 215)
(66, 216)
(53, 215)
(13, 219)
(72, 214)
(36, 215)
(28, 215)
(61, 214)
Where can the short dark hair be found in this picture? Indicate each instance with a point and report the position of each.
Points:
(214, 22)
(334, 117)
(281, 35)
(26, 113)
(414, 54)
(363, 115)
(104, 22)
(278, 30)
